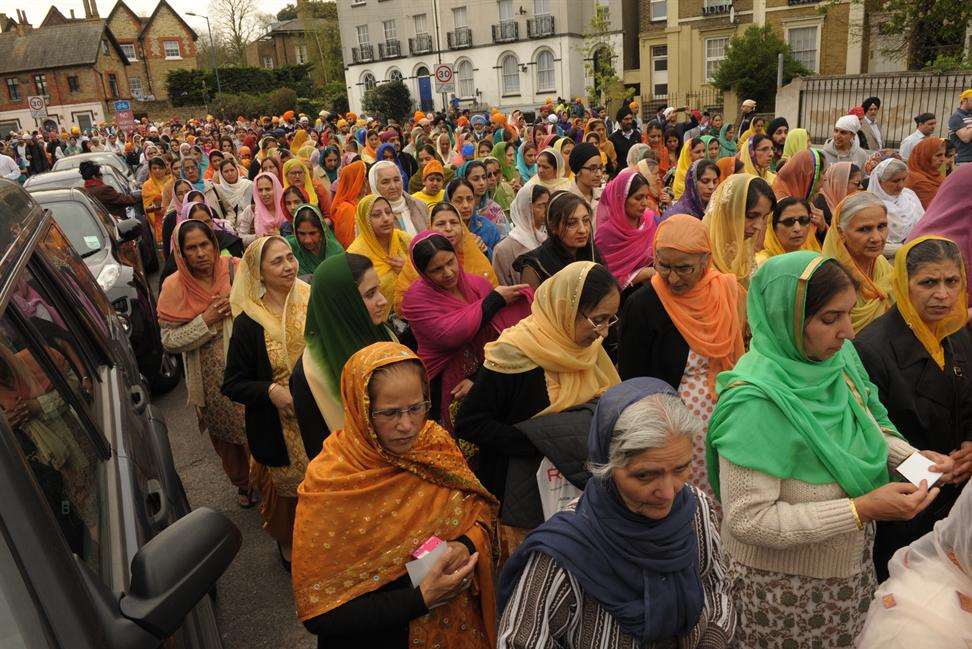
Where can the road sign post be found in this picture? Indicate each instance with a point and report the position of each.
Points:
(124, 117)
(38, 106)
(445, 80)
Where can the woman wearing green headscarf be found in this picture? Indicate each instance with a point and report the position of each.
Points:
(346, 313)
(727, 143)
(799, 450)
(506, 154)
(711, 147)
(312, 241)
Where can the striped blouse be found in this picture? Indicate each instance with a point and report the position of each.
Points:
(549, 610)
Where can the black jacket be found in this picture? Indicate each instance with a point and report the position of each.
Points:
(246, 381)
(623, 144)
(930, 407)
(650, 343)
(313, 428)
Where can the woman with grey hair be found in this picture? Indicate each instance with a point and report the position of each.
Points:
(903, 205)
(639, 562)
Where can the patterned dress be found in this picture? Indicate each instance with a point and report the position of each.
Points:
(694, 391)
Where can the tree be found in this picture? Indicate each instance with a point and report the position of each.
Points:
(237, 22)
(318, 9)
(606, 87)
(927, 29)
(322, 38)
(750, 65)
(390, 100)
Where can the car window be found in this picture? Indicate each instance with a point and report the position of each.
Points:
(20, 622)
(79, 226)
(113, 181)
(51, 435)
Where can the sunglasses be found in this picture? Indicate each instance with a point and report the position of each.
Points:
(790, 221)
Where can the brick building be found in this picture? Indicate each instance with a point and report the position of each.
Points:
(285, 43)
(76, 64)
(154, 45)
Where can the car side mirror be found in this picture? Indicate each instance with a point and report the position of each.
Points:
(176, 569)
(129, 229)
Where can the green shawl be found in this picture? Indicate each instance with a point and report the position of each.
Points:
(784, 415)
(727, 148)
(329, 244)
(499, 152)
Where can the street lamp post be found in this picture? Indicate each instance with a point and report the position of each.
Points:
(212, 51)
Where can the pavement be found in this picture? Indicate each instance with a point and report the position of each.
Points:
(255, 603)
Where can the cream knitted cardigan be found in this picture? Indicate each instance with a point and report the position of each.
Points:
(794, 527)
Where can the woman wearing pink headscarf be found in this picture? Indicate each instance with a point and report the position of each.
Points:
(453, 314)
(624, 228)
(264, 216)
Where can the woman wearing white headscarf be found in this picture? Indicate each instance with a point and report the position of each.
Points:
(528, 214)
(385, 179)
(232, 194)
(927, 600)
(887, 182)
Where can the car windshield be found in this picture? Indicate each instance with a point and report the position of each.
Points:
(20, 624)
(79, 225)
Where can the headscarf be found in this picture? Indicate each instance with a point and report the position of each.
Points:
(246, 297)
(350, 183)
(746, 154)
(306, 259)
(833, 185)
(727, 148)
(929, 335)
(904, 210)
(200, 183)
(308, 187)
(681, 169)
(182, 297)
(332, 174)
(727, 167)
(644, 572)
(526, 171)
(690, 202)
(560, 181)
(705, 140)
(238, 194)
(948, 213)
(367, 244)
(428, 490)
(874, 297)
(725, 218)
(545, 339)
(395, 159)
(625, 249)
(400, 207)
(797, 140)
(499, 152)
(924, 179)
(265, 221)
(800, 176)
(521, 215)
(818, 421)
(300, 139)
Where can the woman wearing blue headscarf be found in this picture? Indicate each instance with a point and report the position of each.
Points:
(638, 562)
(526, 160)
(388, 151)
(461, 193)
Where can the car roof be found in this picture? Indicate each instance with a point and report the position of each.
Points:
(50, 195)
(19, 217)
(63, 177)
(97, 156)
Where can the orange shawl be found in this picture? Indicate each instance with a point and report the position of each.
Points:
(183, 297)
(362, 511)
(709, 315)
(727, 167)
(345, 203)
(923, 178)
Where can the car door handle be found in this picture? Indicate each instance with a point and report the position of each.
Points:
(156, 502)
(139, 398)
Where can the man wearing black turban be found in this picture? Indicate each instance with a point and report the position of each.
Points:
(777, 131)
(626, 136)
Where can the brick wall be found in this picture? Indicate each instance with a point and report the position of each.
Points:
(165, 27)
(126, 27)
(833, 36)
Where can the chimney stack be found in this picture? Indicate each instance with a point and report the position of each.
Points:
(72, 14)
(22, 25)
(94, 8)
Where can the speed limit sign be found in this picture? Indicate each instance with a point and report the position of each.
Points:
(445, 80)
(37, 105)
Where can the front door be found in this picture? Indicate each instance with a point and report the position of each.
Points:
(425, 89)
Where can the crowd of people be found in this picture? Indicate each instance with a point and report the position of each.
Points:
(403, 336)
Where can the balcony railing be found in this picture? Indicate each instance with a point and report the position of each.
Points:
(362, 54)
(540, 26)
(421, 44)
(801, 2)
(390, 49)
(717, 7)
(459, 38)
(506, 31)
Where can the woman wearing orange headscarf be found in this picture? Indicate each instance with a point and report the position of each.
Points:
(351, 187)
(686, 325)
(727, 167)
(381, 486)
(925, 169)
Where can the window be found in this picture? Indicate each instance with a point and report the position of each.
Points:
(395, 75)
(546, 76)
(464, 76)
(368, 80)
(659, 71)
(541, 7)
(362, 35)
(421, 24)
(13, 90)
(172, 49)
(300, 54)
(511, 75)
(129, 50)
(803, 43)
(267, 62)
(40, 84)
(104, 47)
(715, 52)
(391, 31)
(460, 17)
(135, 85)
(505, 10)
(73, 84)
(602, 10)
(659, 9)
(113, 85)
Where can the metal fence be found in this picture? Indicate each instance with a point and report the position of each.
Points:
(903, 95)
(705, 99)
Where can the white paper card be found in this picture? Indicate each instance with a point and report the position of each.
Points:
(418, 568)
(916, 468)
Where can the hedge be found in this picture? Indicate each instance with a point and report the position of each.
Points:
(192, 87)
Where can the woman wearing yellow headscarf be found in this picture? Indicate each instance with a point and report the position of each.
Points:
(300, 139)
(797, 139)
(790, 228)
(856, 239)
(691, 151)
(304, 155)
(380, 241)
(297, 172)
(735, 217)
(757, 157)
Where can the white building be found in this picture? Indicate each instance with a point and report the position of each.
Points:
(504, 53)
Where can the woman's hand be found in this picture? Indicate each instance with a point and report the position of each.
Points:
(943, 464)
(895, 501)
(218, 309)
(397, 263)
(460, 391)
(460, 555)
(511, 293)
(439, 586)
(281, 399)
(963, 463)
(817, 218)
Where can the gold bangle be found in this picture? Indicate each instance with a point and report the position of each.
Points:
(857, 517)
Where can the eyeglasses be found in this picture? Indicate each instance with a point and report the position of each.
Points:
(594, 170)
(605, 322)
(391, 415)
(682, 270)
(790, 221)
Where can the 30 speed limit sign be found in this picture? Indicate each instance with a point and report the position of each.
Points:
(445, 80)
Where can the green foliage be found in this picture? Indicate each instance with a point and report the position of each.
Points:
(390, 100)
(606, 88)
(187, 87)
(274, 102)
(943, 63)
(193, 87)
(750, 65)
(326, 10)
(930, 30)
(335, 97)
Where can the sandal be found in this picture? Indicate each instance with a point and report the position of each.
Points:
(245, 498)
(283, 562)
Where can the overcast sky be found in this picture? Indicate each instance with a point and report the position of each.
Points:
(37, 10)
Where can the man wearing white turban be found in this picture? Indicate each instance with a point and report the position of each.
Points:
(843, 146)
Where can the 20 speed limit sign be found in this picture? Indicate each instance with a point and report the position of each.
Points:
(445, 80)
